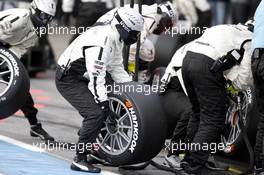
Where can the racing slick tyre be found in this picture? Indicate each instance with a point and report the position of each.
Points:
(232, 137)
(168, 102)
(138, 132)
(14, 83)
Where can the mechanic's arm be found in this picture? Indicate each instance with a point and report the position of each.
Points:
(67, 6)
(244, 74)
(150, 23)
(188, 9)
(202, 5)
(18, 51)
(8, 27)
(96, 69)
(117, 71)
(9, 24)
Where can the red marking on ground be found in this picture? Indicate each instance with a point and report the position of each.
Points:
(40, 106)
(43, 98)
(19, 113)
(36, 91)
(2, 121)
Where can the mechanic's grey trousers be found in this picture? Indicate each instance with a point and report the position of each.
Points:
(206, 91)
(75, 90)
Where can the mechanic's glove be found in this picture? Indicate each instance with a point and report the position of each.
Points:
(231, 89)
(105, 108)
(110, 116)
(164, 83)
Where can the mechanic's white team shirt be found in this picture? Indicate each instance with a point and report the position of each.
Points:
(101, 49)
(215, 43)
(18, 30)
(151, 18)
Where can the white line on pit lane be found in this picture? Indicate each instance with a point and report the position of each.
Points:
(36, 149)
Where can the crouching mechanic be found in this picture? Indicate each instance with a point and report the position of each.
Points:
(80, 77)
(258, 75)
(237, 72)
(18, 32)
(208, 59)
(185, 129)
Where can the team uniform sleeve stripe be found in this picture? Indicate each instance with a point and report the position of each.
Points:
(100, 54)
(95, 89)
(14, 20)
(1, 19)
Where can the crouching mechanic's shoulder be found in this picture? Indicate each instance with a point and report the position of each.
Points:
(19, 18)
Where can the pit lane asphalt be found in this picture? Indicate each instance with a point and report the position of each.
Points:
(61, 120)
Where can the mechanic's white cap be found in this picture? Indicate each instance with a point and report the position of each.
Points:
(132, 18)
(46, 6)
(147, 51)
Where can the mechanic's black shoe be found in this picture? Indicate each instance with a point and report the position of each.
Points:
(201, 170)
(38, 131)
(81, 164)
(192, 170)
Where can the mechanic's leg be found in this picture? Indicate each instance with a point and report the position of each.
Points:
(30, 113)
(194, 121)
(77, 94)
(210, 89)
(183, 111)
(184, 107)
(258, 75)
(210, 94)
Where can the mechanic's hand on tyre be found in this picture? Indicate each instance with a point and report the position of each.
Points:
(105, 108)
(109, 115)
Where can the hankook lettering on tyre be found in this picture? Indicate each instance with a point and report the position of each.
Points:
(13, 61)
(135, 126)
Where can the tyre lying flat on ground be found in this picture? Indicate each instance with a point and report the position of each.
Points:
(139, 132)
(14, 83)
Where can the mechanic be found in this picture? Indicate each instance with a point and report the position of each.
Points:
(192, 13)
(146, 56)
(18, 32)
(220, 49)
(158, 18)
(81, 75)
(258, 76)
